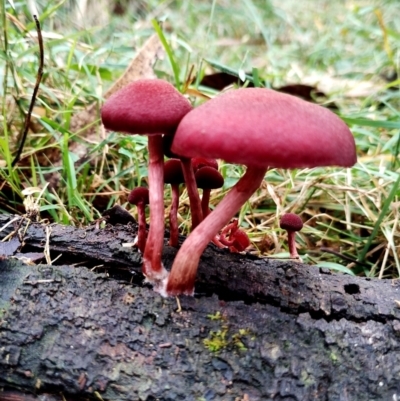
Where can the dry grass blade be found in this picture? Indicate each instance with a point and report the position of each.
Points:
(35, 91)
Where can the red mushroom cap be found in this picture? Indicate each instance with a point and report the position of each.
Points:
(241, 240)
(209, 178)
(264, 128)
(173, 173)
(199, 162)
(166, 143)
(139, 194)
(291, 222)
(145, 106)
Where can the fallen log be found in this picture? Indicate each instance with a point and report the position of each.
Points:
(257, 329)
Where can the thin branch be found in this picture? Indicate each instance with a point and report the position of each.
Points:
(342, 256)
(35, 91)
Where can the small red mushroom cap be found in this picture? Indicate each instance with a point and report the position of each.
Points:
(167, 141)
(145, 106)
(173, 173)
(199, 162)
(263, 128)
(209, 178)
(241, 240)
(139, 195)
(291, 222)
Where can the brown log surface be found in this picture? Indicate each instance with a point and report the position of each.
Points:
(282, 330)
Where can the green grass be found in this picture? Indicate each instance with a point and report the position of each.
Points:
(350, 50)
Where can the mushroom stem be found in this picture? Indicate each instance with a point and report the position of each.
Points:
(173, 216)
(152, 265)
(193, 193)
(292, 245)
(205, 202)
(141, 241)
(183, 274)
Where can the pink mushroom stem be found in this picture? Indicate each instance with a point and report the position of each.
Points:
(292, 244)
(141, 241)
(173, 216)
(183, 274)
(193, 193)
(153, 268)
(205, 202)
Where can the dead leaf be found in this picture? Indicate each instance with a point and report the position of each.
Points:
(141, 66)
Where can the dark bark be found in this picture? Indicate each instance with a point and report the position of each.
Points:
(279, 330)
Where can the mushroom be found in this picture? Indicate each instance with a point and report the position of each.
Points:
(190, 181)
(151, 107)
(173, 175)
(140, 197)
(199, 162)
(238, 240)
(291, 222)
(208, 178)
(259, 128)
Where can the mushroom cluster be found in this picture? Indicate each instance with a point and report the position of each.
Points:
(257, 127)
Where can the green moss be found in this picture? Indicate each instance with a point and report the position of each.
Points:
(237, 339)
(216, 316)
(333, 358)
(306, 378)
(218, 340)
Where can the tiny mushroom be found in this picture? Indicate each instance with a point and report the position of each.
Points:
(140, 197)
(173, 175)
(259, 128)
(237, 240)
(208, 178)
(291, 222)
(151, 107)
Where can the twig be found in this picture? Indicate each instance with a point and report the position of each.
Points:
(344, 257)
(35, 91)
(46, 250)
(10, 222)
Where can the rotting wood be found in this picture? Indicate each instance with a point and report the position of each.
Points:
(282, 330)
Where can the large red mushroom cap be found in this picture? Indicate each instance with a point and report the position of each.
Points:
(264, 128)
(145, 106)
